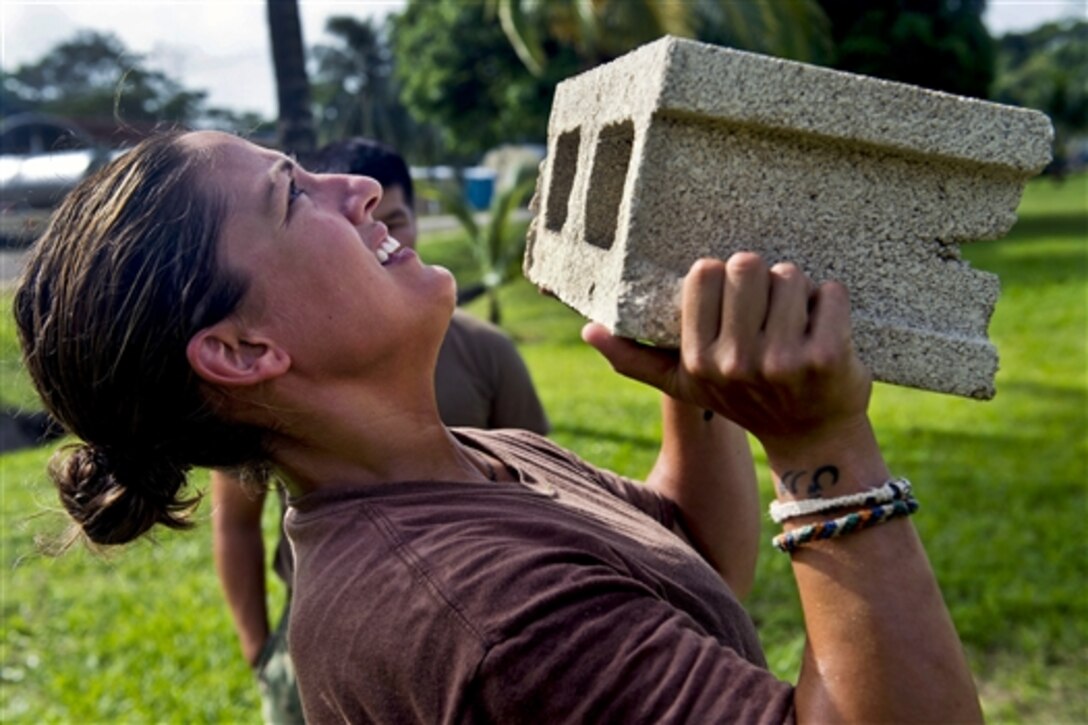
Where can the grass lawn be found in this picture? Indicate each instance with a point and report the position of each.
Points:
(143, 634)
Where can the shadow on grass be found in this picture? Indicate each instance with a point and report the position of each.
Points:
(1059, 261)
(597, 434)
(1076, 399)
(1069, 224)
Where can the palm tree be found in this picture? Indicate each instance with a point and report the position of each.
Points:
(601, 30)
(355, 92)
(296, 126)
(495, 248)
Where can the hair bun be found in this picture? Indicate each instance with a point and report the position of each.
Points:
(114, 498)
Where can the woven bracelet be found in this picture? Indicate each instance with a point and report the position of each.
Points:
(792, 540)
(893, 490)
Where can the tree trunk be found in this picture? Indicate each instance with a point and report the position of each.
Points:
(296, 126)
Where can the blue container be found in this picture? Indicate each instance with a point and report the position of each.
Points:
(479, 187)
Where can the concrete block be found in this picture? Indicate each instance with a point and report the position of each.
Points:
(680, 150)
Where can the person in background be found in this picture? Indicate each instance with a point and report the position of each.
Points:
(480, 380)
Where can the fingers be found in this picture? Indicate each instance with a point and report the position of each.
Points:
(764, 347)
(724, 304)
(741, 315)
(654, 366)
(746, 296)
(701, 310)
(829, 327)
(741, 323)
(787, 313)
(784, 338)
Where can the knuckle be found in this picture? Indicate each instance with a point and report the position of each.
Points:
(744, 263)
(700, 365)
(705, 264)
(825, 358)
(787, 271)
(835, 291)
(780, 365)
(705, 269)
(735, 365)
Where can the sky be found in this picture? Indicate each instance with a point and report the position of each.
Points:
(221, 46)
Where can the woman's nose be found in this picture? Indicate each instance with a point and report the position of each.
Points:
(363, 194)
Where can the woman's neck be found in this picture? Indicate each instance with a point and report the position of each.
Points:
(349, 440)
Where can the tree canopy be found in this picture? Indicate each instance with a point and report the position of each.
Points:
(939, 44)
(94, 76)
(355, 92)
(1047, 69)
(601, 30)
(459, 72)
(484, 71)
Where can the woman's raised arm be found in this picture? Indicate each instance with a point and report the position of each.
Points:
(770, 350)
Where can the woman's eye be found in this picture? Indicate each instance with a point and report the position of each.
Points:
(294, 192)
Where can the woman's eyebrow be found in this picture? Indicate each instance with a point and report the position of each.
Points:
(283, 166)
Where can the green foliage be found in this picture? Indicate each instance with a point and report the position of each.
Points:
(939, 44)
(136, 636)
(15, 388)
(794, 29)
(143, 635)
(1047, 69)
(601, 30)
(496, 246)
(459, 73)
(485, 71)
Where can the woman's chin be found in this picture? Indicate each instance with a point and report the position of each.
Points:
(449, 284)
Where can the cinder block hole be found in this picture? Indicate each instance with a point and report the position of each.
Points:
(564, 164)
(606, 181)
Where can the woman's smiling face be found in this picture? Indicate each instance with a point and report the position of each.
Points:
(325, 280)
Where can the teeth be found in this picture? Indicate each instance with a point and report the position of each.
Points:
(386, 248)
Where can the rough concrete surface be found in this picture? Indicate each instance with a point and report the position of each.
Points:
(680, 150)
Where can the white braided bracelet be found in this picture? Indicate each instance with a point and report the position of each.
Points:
(893, 490)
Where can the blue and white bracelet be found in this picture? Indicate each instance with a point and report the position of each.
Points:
(868, 517)
(896, 489)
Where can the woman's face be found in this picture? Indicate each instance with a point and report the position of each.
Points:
(326, 282)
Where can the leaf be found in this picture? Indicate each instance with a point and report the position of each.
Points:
(521, 32)
(452, 203)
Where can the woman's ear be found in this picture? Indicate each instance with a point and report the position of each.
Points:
(222, 355)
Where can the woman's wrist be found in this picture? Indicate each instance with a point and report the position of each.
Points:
(835, 461)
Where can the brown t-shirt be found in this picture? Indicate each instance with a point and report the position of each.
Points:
(565, 598)
(482, 382)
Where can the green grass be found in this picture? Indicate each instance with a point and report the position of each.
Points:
(143, 635)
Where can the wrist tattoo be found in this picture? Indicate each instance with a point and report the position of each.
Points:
(814, 484)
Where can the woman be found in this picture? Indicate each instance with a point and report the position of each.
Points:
(203, 301)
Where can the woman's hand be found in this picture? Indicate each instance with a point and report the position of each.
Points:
(764, 347)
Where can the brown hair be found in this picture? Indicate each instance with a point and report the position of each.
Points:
(123, 277)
